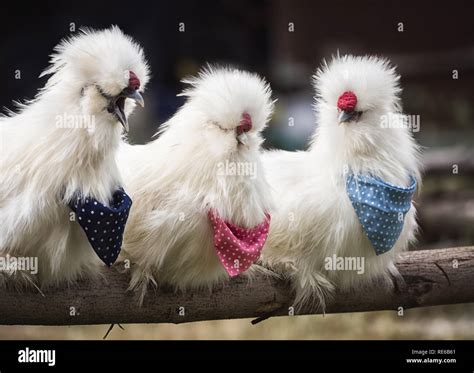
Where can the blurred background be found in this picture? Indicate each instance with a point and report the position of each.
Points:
(285, 41)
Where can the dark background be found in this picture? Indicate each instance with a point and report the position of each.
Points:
(253, 35)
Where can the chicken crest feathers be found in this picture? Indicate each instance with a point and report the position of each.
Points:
(373, 79)
(97, 56)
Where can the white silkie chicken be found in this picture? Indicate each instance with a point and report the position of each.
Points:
(201, 202)
(58, 156)
(348, 199)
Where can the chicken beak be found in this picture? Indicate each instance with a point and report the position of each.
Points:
(119, 109)
(135, 95)
(346, 116)
(122, 118)
(116, 104)
(242, 138)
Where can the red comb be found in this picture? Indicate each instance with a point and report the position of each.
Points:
(245, 124)
(347, 101)
(133, 81)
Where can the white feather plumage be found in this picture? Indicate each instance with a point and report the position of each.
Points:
(174, 180)
(314, 218)
(43, 164)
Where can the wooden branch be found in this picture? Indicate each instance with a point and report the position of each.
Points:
(433, 277)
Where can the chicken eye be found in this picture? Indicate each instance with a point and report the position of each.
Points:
(216, 124)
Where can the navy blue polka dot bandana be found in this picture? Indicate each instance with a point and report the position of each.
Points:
(380, 207)
(103, 226)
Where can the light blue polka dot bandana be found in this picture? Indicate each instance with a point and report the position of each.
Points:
(103, 226)
(380, 207)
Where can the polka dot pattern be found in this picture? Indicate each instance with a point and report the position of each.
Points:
(238, 248)
(381, 208)
(103, 225)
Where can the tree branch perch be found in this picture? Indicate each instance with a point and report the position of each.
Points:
(432, 277)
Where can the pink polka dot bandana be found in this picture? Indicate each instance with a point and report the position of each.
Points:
(238, 248)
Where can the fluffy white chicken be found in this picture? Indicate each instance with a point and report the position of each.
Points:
(60, 147)
(315, 222)
(200, 186)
